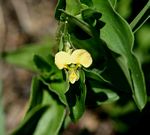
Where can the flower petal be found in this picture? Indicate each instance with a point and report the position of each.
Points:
(81, 56)
(62, 59)
(73, 76)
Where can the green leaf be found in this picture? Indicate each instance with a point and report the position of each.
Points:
(76, 98)
(107, 95)
(41, 64)
(52, 77)
(119, 38)
(99, 93)
(23, 57)
(43, 111)
(61, 4)
(28, 125)
(2, 117)
(36, 94)
(46, 67)
(51, 122)
(95, 74)
(59, 86)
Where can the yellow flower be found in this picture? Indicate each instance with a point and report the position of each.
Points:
(62, 59)
(72, 61)
(73, 75)
(82, 57)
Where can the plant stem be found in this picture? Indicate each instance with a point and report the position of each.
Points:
(141, 24)
(140, 15)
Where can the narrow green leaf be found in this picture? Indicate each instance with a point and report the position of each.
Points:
(51, 122)
(119, 38)
(102, 92)
(76, 98)
(95, 74)
(28, 125)
(122, 39)
(36, 94)
(23, 57)
(106, 95)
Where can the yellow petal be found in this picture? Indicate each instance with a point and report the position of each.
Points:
(73, 76)
(81, 56)
(62, 59)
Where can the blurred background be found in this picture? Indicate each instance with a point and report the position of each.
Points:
(22, 22)
(25, 22)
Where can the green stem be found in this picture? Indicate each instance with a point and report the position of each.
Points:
(140, 15)
(141, 24)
